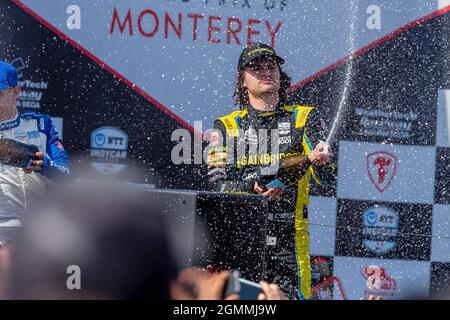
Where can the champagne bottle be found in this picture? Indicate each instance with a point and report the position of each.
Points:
(17, 154)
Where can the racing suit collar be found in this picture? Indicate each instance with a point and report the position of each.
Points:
(258, 113)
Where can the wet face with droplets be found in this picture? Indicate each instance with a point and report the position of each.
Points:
(8, 100)
(261, 77)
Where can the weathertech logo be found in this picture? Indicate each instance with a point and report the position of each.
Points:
(381, 167)
(379, 283)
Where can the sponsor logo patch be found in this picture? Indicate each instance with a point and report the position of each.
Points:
(20, 135)
(214, 138)
(285, 140)
(42, 124)
(251, 137)
(33, 134)
(284, 125)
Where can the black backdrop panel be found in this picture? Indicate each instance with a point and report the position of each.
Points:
(88, 97)
(237, 225)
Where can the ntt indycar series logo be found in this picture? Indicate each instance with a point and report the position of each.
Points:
(380, 230)
(109, 146)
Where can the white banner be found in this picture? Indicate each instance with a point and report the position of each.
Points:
(184, 53)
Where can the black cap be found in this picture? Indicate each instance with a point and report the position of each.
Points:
(255, 51)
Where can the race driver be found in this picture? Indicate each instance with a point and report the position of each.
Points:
(20, 185)
(272, 148)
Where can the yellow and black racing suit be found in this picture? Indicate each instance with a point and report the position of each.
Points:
(247, 146)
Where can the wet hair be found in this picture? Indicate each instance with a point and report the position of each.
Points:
(241, 94)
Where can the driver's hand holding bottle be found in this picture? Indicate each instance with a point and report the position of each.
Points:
(320, 156)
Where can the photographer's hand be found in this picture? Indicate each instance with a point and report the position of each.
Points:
(205, 286)
(37, 164)
(212, 287)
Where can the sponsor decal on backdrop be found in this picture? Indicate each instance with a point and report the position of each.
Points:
(383, 230)
(109, 146)
(384, 119)
(31, 91)
(194, 27)
(386, 172)
(385, 123)
(378, 282)
(380, 229)
(381, 168)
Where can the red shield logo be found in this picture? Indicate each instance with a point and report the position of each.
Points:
(381, 167)
(378, 279)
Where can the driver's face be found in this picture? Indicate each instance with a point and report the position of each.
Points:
(8, 97)
(262, 76)
(5, 92)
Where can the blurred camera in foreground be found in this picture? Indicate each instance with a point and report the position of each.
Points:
(118, 242)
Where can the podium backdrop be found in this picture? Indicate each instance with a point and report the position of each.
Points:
(118, 97)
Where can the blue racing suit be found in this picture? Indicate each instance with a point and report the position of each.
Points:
(17, 188)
